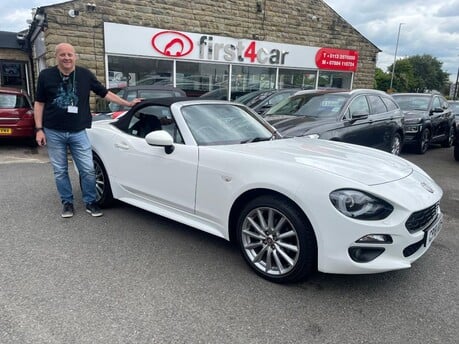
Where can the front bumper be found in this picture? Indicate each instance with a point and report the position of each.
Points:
(338, 236)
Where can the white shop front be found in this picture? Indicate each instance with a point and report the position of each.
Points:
(199, 63)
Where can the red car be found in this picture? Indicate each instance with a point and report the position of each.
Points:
(16, 114)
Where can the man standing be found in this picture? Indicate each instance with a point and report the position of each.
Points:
(62, 114)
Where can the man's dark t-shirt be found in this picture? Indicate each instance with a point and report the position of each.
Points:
(58, 92)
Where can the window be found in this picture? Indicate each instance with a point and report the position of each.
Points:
(245, 79)
(198, 78)
(323, 106)
(130, 71)
(13, 101)
(290, 78)
(377, 105)
(152, 118)
(335, 79)
(13, 74)
(390, 104)
(219, 124)
(436, 103)
(359, 106)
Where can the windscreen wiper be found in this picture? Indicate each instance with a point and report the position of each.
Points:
(258, 139)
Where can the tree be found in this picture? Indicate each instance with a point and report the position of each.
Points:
(382, 80)
(419, 73)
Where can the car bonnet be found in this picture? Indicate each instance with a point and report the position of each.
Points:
(358, 163)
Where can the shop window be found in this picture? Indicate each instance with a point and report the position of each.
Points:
(335, 79)
(245, 79)
(131, 71)
(292, 78)
(13, 74)
(197, 79)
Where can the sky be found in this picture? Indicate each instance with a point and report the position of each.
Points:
(427, 27)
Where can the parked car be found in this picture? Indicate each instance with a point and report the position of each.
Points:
(146, 92)
(101, 116)
(16, 115)
(428, 120)
(222, 94)
(262, 100)
(292, 205)
(456, 147)
(364, 117)
(454, 105)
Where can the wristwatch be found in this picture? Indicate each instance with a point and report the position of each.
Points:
(38, 129)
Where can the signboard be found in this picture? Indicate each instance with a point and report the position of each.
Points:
(337, 59)
(153, 42)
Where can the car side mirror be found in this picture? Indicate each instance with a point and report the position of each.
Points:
(437, 109)
(161, 138)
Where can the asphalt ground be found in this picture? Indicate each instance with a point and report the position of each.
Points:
(134, 277)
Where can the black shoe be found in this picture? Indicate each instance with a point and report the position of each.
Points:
(67, 210)
(93, 209)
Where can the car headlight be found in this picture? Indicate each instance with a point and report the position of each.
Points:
(411, 121)
(360, 205)
(412, 128)
(313, 136)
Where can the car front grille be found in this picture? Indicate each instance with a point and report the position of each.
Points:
(422, 218)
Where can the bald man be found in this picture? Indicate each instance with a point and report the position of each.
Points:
(62, 115)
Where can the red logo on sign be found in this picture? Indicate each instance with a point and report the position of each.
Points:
(337, 59)
(172, 43)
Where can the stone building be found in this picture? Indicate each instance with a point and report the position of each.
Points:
(203, 45)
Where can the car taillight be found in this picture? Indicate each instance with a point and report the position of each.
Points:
(28, 115)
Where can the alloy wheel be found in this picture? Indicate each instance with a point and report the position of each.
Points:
(270, 241)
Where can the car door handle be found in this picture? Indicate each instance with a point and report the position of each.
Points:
(122, 145)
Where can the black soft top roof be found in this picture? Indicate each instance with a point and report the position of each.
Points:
(123, 122)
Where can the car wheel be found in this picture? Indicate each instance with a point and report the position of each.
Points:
(104, 196)
(396, 145)
(424, 141)
(456, 152)
(276, 240)
(450, 139)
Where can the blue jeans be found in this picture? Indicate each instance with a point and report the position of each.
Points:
(78, 143)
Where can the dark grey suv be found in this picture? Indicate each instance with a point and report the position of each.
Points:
(428, 120)
(363, 116)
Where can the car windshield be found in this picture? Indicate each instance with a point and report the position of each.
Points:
(220, 124)
(407, 102)
(326, 105)
(313, 105)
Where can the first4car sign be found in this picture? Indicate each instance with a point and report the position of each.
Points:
(143, 41)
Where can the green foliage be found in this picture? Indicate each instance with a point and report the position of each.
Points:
(419, 73)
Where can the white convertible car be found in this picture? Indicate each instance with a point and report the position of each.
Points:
(292, 205)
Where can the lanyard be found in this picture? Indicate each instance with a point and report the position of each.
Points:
(65, 78)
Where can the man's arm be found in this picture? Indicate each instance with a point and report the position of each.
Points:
(112, 97)
(38, 117)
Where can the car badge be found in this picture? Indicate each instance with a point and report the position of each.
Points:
(427, 187)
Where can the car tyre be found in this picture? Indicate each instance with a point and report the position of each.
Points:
(396, 144)
(456, 151)
(104, 196)
(449, 141)
(276, 239)
(424, 141)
